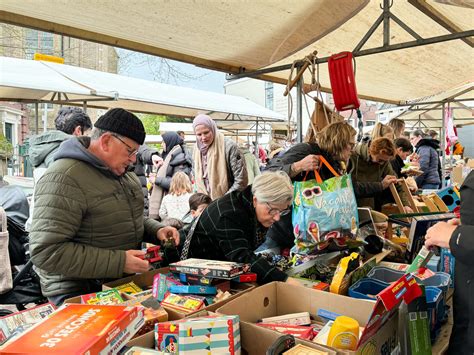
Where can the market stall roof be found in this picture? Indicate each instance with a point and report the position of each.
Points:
(428, 112)
(26, 80)
(228, 37)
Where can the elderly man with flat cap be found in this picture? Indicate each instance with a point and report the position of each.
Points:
(88, 221)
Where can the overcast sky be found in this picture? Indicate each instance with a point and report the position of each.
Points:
(148, 67)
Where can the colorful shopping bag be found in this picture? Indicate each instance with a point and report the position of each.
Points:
(324, 213)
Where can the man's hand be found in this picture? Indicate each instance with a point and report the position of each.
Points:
(440, 234)
(309, 163)
(157, 160)
(166, 233)
(454, 222)
(407, 209)
(133, 264)
(388, 180)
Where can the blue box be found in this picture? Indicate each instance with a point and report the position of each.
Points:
(447, 264)
(195, 290)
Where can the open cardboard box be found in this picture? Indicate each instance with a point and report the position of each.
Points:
(278, 298)
(145, 281)
(147, 340)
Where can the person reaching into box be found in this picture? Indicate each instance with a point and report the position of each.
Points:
(458, 235)
(88, 220)
(233, 226)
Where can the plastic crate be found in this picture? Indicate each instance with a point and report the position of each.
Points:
(385, 274)
(365, 287)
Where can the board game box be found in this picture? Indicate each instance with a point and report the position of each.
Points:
(79, 329)
(210, 268)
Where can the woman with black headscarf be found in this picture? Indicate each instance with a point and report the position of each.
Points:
(175, 158)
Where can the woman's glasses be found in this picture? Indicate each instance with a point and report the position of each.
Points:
(274, 211)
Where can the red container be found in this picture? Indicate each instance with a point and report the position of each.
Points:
(341, 75)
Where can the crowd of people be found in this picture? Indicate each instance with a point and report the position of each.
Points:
(100, 194)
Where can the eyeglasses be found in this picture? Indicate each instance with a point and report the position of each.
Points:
(130, 150)
(274, 211)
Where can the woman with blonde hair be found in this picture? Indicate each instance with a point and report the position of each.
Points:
(398, 127)
(176, 203)
(382, 131)
(335, 143)
(233, 226)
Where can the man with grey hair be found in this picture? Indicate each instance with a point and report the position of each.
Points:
(233, 226)
(88, 222)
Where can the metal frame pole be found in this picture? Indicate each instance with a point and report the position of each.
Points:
(36, 117)
(256, 141)
(299, 110)
(443, 147)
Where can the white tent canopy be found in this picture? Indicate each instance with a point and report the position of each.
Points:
(25, 80)
(232, 36)
(428, 112)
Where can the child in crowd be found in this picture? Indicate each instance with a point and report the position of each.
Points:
(197, 203)
(176, 203)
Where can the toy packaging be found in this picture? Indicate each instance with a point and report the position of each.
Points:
(161, 285)
(79, 329)
(298, 331)
(210, 268)
(183, 304)
(153, 312)
(210, 335)
(107, 297)
(302, 318)
(196, 290)
(16, 323)
(129, 288)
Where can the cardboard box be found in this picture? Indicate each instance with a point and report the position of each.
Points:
(145, 281)
(279, 298)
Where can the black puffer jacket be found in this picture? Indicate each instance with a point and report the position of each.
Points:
(462, 247)
(180, 161)
(429, 162)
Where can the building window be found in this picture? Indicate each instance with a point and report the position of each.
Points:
(38, 42)
(269, 95)
(9, 132)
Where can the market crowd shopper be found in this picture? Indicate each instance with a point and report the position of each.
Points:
(426, 148)
(233, 226)
(458, 236)
(70, 122)
(88, 222)
(219, 165)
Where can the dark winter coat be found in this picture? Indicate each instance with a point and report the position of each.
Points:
(227, 230)
(363, 170)
(462, 247)
(429, 162)
(397, 166)
(180, 161)
(85, 218)
(144, 158)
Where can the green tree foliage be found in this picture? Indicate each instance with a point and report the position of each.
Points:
(6, 148)
(152, 122)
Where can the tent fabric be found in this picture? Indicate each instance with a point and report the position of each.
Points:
(34, 80)
(432, 114)
(229, 35)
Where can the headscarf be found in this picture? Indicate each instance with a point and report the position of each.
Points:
(209, 123)
(171, 140)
